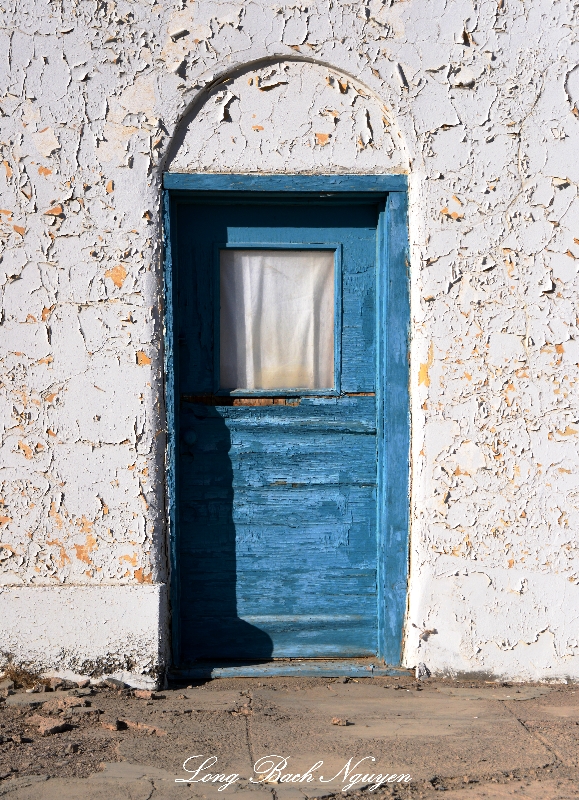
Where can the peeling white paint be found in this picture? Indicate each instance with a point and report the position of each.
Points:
(289, 116)
(478, 100)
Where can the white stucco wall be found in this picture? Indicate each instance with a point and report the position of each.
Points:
(74, 631)
(477, 101)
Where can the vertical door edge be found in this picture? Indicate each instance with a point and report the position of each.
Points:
(393, 321)
(170, 421)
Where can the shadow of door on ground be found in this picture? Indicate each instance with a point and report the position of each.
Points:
(211, 631)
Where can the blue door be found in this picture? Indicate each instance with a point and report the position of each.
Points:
(277, 449)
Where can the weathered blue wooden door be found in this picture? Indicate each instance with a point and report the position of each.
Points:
(276, 483)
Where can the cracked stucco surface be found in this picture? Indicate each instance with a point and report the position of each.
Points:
(289, 116)
(477, 100)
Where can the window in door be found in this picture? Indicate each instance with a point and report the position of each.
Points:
(276, 319)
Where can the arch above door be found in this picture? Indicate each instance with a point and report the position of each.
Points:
(288, 116)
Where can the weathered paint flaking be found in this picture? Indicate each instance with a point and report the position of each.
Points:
(276, 505)
(334, 668)
(178, 181)
(171, 416)
(393, 321)
(481, 100)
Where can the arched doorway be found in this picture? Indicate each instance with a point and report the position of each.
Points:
(288, 324)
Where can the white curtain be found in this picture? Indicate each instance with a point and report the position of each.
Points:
(277, 319)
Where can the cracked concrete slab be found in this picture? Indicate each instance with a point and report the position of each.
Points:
(515, 693)
(71, 789)
(397, 726)
(470, 747)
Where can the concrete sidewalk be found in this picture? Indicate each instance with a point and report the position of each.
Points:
(470, 740)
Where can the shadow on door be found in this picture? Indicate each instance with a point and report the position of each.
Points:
(212, 631)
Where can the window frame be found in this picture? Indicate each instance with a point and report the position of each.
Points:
(333, 391)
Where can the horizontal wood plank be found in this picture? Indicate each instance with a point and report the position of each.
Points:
(285, 183)
(282, 668)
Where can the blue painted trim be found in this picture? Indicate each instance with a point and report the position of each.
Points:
(171, 418)
(285, 183)
(304, 669)
(381, 323)
(336, 389)
(338, 311)
(393, 321)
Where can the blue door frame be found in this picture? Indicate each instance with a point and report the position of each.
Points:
(392, 320)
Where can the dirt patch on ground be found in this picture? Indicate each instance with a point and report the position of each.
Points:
(470, 739)
(53, 742)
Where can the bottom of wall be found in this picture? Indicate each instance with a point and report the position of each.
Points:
(493, 623)
(88, 631)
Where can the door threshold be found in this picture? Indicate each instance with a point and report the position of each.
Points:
(291, 667)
